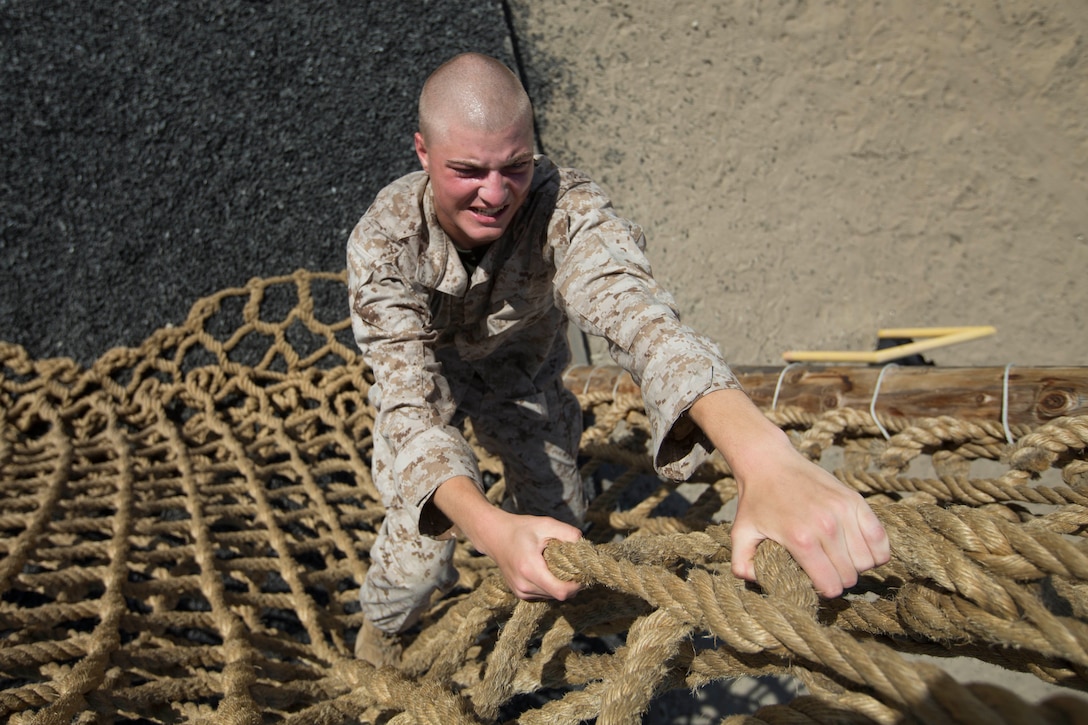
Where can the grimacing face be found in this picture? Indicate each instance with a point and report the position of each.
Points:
(479, 179)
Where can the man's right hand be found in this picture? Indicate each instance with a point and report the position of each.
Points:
(515, 542)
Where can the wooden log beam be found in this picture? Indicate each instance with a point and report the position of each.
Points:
(1035, 394)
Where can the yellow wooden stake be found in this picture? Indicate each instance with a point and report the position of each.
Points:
(935, 337)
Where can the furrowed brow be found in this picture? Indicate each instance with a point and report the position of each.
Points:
(468, 164)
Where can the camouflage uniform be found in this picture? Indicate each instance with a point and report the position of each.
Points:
(445, 343)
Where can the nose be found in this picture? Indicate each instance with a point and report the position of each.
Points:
(494, 189)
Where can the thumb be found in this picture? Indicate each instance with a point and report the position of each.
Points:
(744, 554)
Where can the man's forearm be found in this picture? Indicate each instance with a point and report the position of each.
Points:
(468, 509)
(738, 429)
(515, 542)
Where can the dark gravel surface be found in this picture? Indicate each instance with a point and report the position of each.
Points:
(155, 152)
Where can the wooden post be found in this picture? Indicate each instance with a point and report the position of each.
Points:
(1035, 394)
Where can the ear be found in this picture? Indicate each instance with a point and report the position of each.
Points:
(421, 151)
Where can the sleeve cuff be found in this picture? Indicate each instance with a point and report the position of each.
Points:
(430, 459)
(669, 389)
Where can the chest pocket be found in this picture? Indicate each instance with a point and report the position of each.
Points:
(522, 289)
(516, 297)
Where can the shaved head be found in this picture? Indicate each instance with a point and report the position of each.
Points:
(472, 91)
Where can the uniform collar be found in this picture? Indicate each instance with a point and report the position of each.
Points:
(440, 268)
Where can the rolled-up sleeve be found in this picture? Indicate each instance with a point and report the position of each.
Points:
(391, 323)
(605, 285)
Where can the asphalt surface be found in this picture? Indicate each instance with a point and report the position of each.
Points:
(156, 152)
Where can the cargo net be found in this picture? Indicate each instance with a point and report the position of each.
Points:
(184, 527)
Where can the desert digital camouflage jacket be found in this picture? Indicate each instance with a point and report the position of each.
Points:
(419, 320)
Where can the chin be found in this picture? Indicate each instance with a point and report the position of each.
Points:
(484, 235)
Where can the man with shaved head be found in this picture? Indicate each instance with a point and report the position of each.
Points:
(462, 280)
